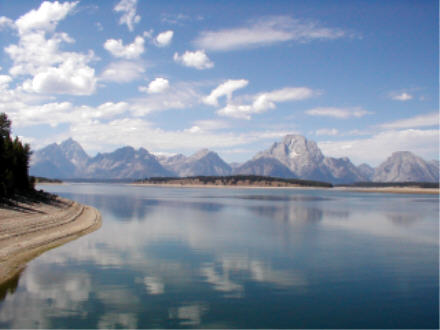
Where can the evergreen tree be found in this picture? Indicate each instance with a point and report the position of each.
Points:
(14, 161)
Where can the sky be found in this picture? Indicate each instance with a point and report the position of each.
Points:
(358, 77)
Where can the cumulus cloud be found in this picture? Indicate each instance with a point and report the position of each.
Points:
(71, 77)
(424, 143)
(38, 54)
(340, 113)
(197, 59)
(4, 81)
(164, 38)
(426, 120)
(56, 113)
(156, 86)
(224, 89)
(266, 101)
(401, 96)
(46, 17)
(128, 10)
(122, 72)
(130, 51)
(266, 31)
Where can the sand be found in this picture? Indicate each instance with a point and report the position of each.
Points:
(29, 229)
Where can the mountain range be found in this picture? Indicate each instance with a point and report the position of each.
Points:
(293, 157)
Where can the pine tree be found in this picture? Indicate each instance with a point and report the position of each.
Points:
(14, 161)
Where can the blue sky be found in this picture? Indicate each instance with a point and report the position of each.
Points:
(358, 77)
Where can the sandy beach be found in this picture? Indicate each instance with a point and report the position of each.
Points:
(29, 229)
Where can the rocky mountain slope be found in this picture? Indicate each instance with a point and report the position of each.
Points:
(265, 167)
(366, 170)
(68, 160)
(304, 160)
(203, 162)
(404, 166)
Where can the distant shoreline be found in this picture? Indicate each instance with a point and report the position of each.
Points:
(388, 190)
(29, 229)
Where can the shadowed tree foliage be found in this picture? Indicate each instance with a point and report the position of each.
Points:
(14, 161)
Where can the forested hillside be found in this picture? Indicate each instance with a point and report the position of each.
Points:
(14, 162)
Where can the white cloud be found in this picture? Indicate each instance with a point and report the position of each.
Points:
(377, 148)
(128, 10)
(130, 51)
(71, 77)
(236, 111)
(39, 56)
(34, 52)
(226, 88)
(156, 86)
(266, 31)
(177, 96)
(327, 131)
(340, 113)
(266, 101)
(55, 113)
(46, 17)
(6, 22)
(211, 124)
(4, 81)
(164, 38)
(402, 96)
(174, 19)
(201, 126)
(122, 72)
(430, 119)
(197, 59)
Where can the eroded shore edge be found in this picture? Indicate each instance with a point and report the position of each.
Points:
(20, 244)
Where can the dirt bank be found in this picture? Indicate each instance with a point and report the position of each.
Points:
(27, 229)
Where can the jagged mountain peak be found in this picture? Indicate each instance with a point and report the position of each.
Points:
(294, 138)
(404, 166)
(201, 153)
(69, 141)
(74, 152)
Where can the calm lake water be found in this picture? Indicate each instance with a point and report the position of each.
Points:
(236, 258)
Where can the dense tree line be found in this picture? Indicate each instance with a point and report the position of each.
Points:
(234, 179)
(14, 162)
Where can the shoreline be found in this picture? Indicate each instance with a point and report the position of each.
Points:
(30, 229)
(387, 190)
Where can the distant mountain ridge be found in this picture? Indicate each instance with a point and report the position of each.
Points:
(68, 160)
(292, 157)
(203, 162)
(303, 159)
(403, 166)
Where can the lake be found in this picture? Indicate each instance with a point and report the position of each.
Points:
(236, 258)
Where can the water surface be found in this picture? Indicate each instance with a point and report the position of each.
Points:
(236, 258)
